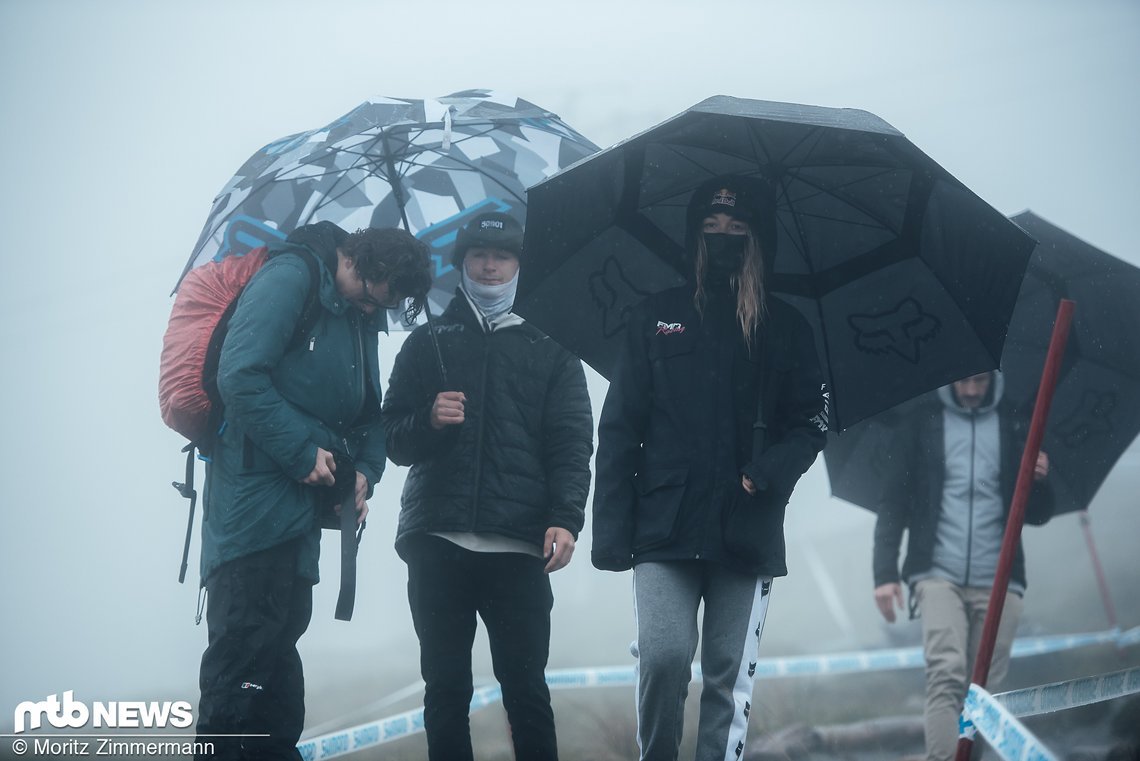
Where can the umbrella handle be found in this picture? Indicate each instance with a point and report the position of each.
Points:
(435, 344)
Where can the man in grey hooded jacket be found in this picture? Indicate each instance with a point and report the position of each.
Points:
(951, 487)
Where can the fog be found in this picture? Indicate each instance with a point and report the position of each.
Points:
(122, 120)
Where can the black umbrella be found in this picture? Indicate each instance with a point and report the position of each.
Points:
(1096, 408)
(1095, 414)
(907, 277)
(858, 460)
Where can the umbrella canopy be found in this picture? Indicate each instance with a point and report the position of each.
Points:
(1095, 413)
(907, 277)
(424, 165)
(1096, 407)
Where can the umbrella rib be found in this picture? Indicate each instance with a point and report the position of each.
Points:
(817, 305)
(836, 403)
(853, 203)
(375, 166)
(918, 198)
(816, 135)
(331, 194)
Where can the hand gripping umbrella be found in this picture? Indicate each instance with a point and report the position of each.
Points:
(907, 278)
(424, 165)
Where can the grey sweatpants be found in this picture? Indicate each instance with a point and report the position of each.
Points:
(666, 597)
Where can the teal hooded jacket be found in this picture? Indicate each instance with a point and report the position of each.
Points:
(285, 394)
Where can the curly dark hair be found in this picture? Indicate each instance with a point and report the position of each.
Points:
(395, 255)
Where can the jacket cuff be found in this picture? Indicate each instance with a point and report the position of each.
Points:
(611, 562)
(886, 578)
(572, 524)
(304, 465)
(435, 438)
(372, 477)
(756, 475)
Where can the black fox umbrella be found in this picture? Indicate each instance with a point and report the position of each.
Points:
(424, 165)
(906, 276)
(1096, 407)
(1095, 413)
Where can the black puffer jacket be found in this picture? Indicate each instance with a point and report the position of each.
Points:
(676, 432)
(520, 462)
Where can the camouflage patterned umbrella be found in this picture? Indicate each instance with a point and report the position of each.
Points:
(424, 165)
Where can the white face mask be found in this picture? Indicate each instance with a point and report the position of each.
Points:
(492, 300)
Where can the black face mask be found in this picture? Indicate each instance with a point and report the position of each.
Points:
(725, 254)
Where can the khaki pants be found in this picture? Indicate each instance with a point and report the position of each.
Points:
(952, 620)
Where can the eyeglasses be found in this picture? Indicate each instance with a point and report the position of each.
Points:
(368, 299)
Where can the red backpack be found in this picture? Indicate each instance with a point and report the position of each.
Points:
(187, 376)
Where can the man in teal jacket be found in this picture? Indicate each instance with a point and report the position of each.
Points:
(299, 380)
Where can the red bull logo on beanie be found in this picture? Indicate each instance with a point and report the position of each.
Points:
(724, 197)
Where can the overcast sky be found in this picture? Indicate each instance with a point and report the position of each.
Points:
(122, 120)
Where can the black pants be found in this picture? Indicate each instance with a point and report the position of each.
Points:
(447, 586)
(251, 677)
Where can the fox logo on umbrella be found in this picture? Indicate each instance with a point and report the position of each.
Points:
(1092, 418)
(900, 330)
(614, 294)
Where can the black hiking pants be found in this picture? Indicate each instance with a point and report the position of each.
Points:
(447, 587)
(251, 677)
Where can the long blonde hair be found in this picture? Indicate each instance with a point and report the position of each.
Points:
(751, 300)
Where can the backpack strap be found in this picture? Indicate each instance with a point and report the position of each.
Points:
(186, 489)
(311, 311)
(345, 491)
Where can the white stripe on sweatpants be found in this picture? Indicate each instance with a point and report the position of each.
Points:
(742, 691)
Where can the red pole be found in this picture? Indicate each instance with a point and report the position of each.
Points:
(1020, 497)
(1109, 610)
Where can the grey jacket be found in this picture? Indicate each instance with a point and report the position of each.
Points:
(922, 496)
(967, 539)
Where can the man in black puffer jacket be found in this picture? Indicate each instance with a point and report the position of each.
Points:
(500, 455)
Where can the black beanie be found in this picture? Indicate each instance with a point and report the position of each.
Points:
(749, 199)
(489, 230)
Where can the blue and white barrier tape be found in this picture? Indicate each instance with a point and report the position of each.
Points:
(408, 723)
(1058, 642)
(1002, 730)
(378, 732)
(1058, 696)
(843, 663)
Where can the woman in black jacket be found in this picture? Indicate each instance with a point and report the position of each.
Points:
(716, 410)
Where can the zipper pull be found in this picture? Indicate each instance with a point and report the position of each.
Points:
(312, 342)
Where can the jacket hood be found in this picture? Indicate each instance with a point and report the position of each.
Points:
(322, 238)
(997, 389)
